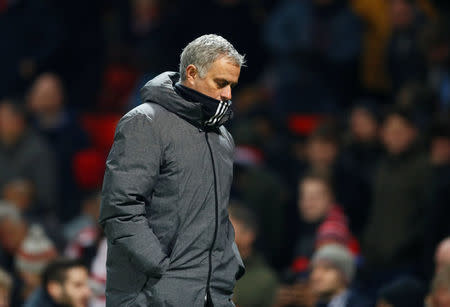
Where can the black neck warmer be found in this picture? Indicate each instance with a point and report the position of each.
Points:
(215, 112)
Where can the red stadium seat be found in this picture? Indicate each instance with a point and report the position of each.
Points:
(304, 124)
(101, 129)
(88, 168)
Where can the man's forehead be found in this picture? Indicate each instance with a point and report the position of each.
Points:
(76, 273)
(224, 69)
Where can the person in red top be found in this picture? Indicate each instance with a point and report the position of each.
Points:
(322, 221)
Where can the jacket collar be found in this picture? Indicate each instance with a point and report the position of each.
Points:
(161, 90)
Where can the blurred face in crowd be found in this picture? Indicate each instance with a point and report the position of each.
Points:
(46, 95)
(398, 134)
(383, 303)
(244, 236)
(442, 256)
(4, 296)
(75, 291)
(12, 234)
(441, 297)
(321, 153)
(144, 11)
(315, 199)
(12, 124)
(439, 54)
(91, 206)
(31, 282)
(221, 77)
(440, 150)
(402, 13)
(363, 125)
(19, 193)
(326, 281)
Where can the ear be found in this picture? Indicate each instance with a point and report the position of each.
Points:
(55, 290)
(191, 74)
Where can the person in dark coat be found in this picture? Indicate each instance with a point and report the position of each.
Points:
(24, 155)
(316, 46)
(257, 288)
(438, 189)
(30, 35)
(396, 225)
(403, 292)
(167, 184)
(59, 126)
(405, 60)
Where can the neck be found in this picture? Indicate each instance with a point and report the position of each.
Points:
(339, 291)
(51, 119)
(332, 294)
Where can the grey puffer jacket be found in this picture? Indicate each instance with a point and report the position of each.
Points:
(164, 206)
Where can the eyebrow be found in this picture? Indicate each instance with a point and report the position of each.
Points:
(220, 80)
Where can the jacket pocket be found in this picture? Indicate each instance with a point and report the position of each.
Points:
(122, 274)
(241, 267)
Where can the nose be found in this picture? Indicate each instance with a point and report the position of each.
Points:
(225, 94)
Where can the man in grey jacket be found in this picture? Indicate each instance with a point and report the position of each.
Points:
(166, 187)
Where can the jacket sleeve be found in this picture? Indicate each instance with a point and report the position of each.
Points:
(132, 169)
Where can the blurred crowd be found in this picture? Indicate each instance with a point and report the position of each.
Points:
(341, 192)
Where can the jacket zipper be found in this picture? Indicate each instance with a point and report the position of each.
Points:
(208, 293)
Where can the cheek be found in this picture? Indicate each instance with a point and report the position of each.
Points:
(331, 280)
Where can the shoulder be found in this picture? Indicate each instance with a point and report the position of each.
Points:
(38, 299)
(149, 110)
(261, 271)
(227, 135)
(34, 144)
(147, 116)
(357, 300)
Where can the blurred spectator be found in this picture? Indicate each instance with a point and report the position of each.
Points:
(34, 254)
(377, 20)
(87, 218)
(141, 26)
(83, 232)
(241, 20)
(262, 191)
(438, 190)
(82, 54)
(436, 43)
(5, 288)
(404, 292)
(395, 229)
(23, 154)
(255, 125)
(98, 276)
(360, 154)
(30, 36)
(316, 45)
(440, 289)
(13, 230)
(420, 100)
(60, 128)
(258, 285)
(322, 155)
(442, 256)
(64, 283)
(332, 272)
(19, 193)
(406, 62)
(322, 221)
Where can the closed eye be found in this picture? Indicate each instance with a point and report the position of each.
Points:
(221, 83)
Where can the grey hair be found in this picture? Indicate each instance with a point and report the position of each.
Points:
(206, 49)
